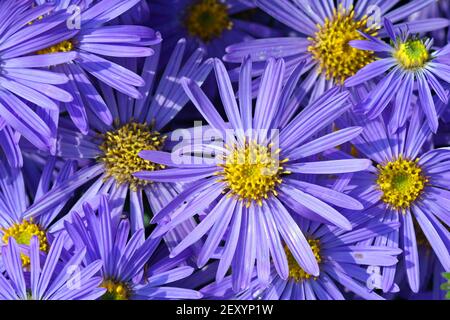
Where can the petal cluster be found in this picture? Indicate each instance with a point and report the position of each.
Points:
(224, 149)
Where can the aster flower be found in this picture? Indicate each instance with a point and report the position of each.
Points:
(22, 217)
(28, 93)
(208, 24)
(324, 30)
(125, 261)
(111, 151)
(408, 184)
(340, 260)
(409, 63)
(50, 278)
(249, 186)
(96, 45)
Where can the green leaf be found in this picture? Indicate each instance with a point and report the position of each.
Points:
(446, 286)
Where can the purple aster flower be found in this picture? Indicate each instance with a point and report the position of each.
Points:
(408, 63)
(110, 152)
(100, 50)
(341, 263)
(208, 24)
(324, 30)
(131, 270)
(28, 93)
(23, 216)
(247, 189)
(408, 184)
(48, 277)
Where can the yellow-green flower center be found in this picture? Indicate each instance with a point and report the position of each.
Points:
(207, 19)
(115, 290)
(252, 172)
(412, 54)
(121, 149)
(402, 181)
(330, 45)
(295, 271)
(64, 46)
(22, 233)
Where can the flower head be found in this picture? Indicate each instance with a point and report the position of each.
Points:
(28, 90)
(401, 182)
(409, 185)
(341, 262)
(330, 45)
(251, 185)
(96, 44)
(209, 24)
(251, 172)
(408, 62)
(207, 19)
(40, 215)
(126, 259)
(111, 152)
(121, 149)
(51, 278)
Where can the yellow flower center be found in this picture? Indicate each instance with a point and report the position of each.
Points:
(64, 46)
(207, 19)
(115, 290)
(330, 45)
(121, 149)
(412, 54)
(402, 181)
(22, 233)
(252, 172)
(295, 271)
